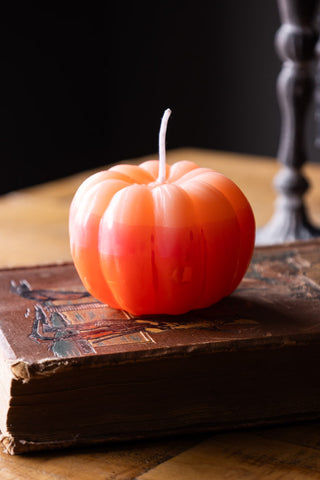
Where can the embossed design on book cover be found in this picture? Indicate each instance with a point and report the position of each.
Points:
(74, 323)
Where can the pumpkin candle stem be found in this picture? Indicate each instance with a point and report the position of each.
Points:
(162, 146)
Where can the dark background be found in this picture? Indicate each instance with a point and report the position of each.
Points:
(84, 86)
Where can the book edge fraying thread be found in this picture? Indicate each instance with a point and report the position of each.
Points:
(20, 371)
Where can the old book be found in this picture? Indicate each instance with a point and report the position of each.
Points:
(74, 371)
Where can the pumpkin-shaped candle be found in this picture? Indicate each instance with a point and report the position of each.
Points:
(160, 239)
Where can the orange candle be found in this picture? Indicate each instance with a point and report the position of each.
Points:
(154, 238)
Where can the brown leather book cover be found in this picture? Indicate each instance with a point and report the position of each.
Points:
(73, 371)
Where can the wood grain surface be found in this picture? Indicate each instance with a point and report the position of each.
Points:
(33, 229)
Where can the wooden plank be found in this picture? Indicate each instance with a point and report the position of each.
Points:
(258, 455)
(116, 462)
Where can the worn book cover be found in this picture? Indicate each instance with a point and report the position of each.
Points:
(74, 371)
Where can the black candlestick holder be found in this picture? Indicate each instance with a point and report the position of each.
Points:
(296, 44)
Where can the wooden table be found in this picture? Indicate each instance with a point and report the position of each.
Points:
(33, 229)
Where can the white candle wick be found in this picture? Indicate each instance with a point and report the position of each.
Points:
(162, 145)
